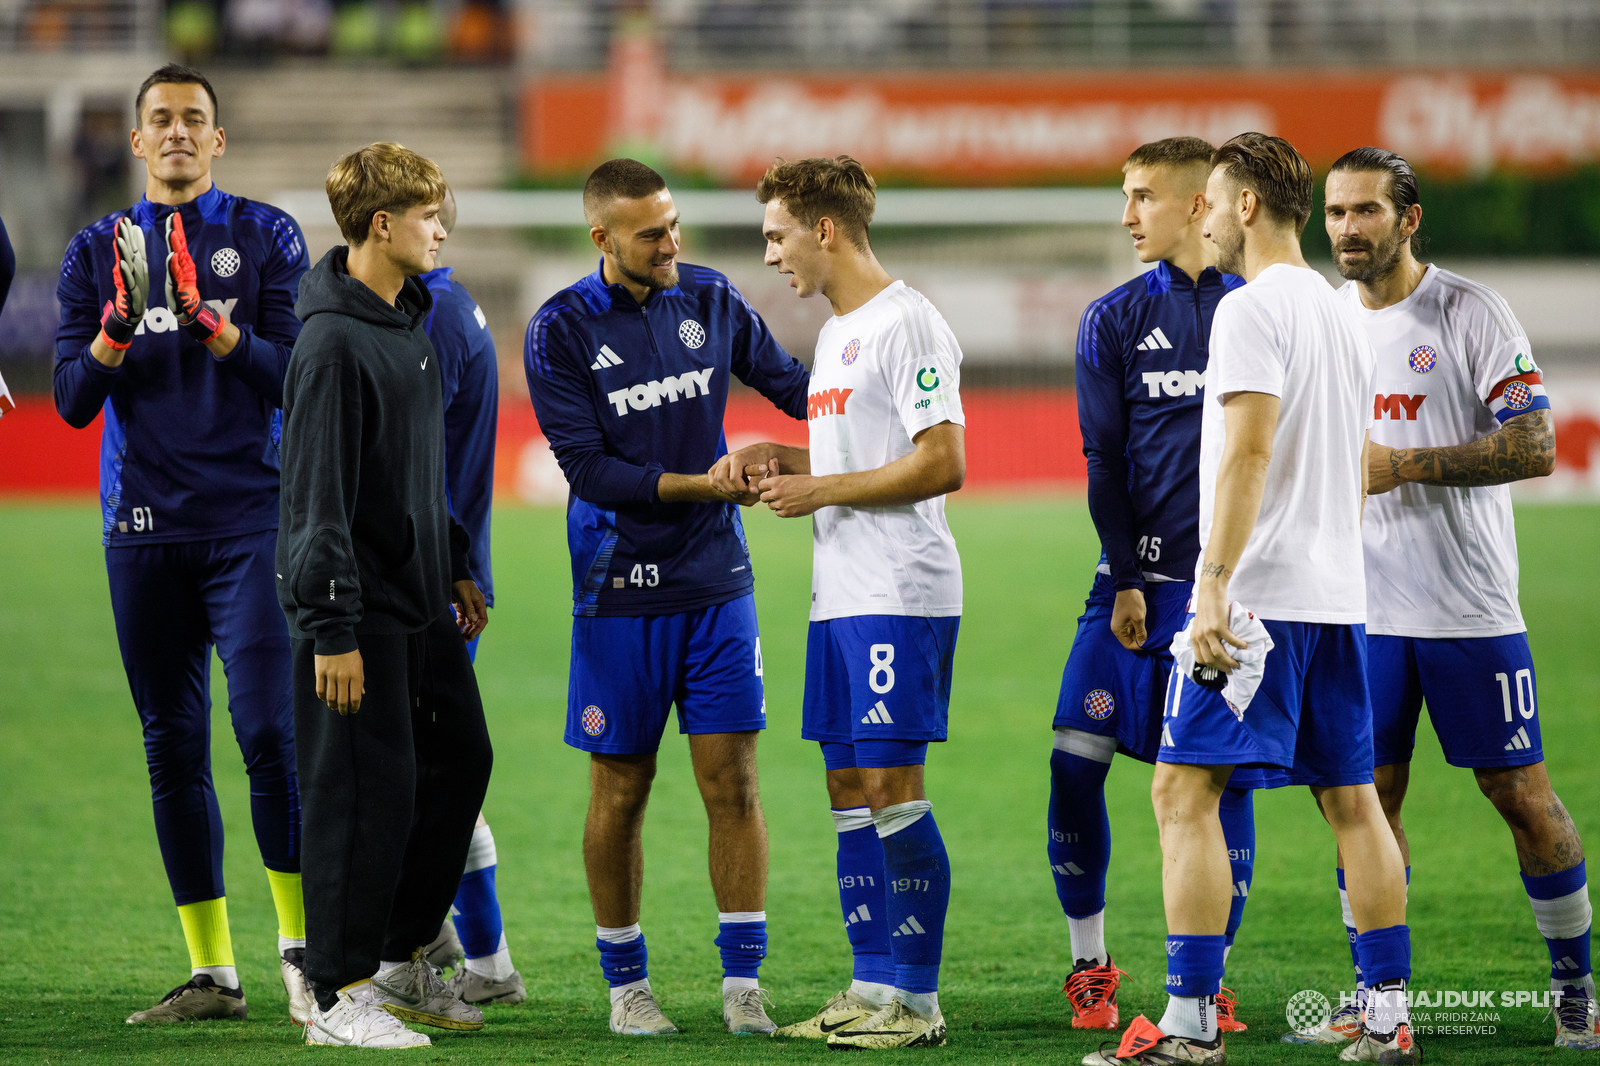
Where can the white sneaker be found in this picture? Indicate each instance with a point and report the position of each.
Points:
(446, 952)
(893, 1026)
(636, 1014)
(414, 993)
(743, 1013)
(471, 987)
(1577, 1024)
(358, 1021)
(301, 1000)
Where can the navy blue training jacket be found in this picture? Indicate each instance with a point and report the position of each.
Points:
(625, 392)
(460, 335)
(190, 445)
(1141, 365)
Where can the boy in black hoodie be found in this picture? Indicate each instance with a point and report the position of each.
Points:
(394, 757)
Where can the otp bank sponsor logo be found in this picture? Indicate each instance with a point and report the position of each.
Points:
(1098, 704)
(1422, 359)
(594, 720)
(826, 402)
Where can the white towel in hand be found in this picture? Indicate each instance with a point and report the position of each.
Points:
(1242, 682)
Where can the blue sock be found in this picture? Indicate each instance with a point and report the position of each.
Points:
(626, 962)
(917, 871)
(1238, 813)
(1194, 965)
(1385, 954)
(861, 895)
(1350, 929)
(1561, 909)
(742, 939)
(1079, 844)
(477, 906)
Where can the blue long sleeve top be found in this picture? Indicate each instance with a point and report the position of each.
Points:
(627, 391)
(190, 445)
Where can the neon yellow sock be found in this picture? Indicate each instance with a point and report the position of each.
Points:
(290, 904)
(205, 930)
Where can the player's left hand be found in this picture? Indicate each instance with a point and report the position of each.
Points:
(472, 614)
(791, 495)
(1209, 632)
(729, 478)
(183, 291)
(1127, 619)
(1382, 468)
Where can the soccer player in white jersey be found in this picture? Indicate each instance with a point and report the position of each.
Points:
(1460, 412)
(886, 445)
(1271, 671)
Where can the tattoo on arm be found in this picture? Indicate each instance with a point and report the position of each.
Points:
(1524, 447)
(1215, 570)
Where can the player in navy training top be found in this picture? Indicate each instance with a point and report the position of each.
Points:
(629, 369)
(471, 381)
(1140, 374)
(177, 321)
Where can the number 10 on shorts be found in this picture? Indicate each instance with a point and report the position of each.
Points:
(1525, 705)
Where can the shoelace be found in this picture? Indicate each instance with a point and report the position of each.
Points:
(1089, 988)
(648, 1009)
(1572, 1013)
(748, 999)
(1225, 1002)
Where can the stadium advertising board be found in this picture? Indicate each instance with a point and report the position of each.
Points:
(990, 129)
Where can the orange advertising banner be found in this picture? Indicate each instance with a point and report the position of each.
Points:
(990, 129)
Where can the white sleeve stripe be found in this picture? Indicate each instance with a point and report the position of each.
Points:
(1492, 301)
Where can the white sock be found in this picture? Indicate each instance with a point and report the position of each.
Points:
(1194, 1017)
(618, 991)
(730, 983)
(1387, 1007)
(873, 992)
(496, 967)
(285, 943)
(622, 934)
(387, 968)
(225, 976)
(1089, 937)
(924, 1003)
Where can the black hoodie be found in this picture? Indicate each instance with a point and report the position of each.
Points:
(366, 543)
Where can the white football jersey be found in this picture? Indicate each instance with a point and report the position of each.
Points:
(882, 374)
(1288, 334)
(1453, 364)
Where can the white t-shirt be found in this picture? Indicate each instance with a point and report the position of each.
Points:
(1442, 561)
(882, 374)
(1288, 333)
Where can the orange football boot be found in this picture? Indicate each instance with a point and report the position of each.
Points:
(1092, 991)
(1226, 1022)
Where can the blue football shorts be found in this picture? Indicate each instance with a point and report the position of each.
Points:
(1480, 696)
(628, 672)
(880, 684)
(1108, 690)
(1310, 722)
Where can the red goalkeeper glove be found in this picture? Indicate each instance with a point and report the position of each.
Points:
(183, 293)
(131, 276)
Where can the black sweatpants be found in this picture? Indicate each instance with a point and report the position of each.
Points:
(390, 795)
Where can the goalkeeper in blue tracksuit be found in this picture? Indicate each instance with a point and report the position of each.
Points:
(177, 322)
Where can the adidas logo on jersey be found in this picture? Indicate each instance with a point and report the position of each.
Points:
(1174, 382)
(879, 715)
(909, 927)
(606, 358)
(1156, 340)
(1519, 740)
(826, 402)
(687, 385)
(860, 914)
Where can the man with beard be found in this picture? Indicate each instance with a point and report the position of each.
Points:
(1271, 668)
(628, 369)
(1461, 412)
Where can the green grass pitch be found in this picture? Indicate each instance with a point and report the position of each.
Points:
(88, 932)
